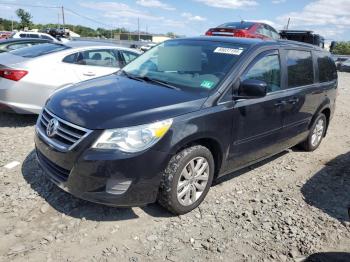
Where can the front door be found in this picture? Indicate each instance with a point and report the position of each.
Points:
(96, 63)
(258, 123)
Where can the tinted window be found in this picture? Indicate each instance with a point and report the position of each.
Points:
(128, 56)
(17, 46)
(23, 35)
(46, 37)
(300, 68)
(326, 68)
(267, 69)
(33, 35)
(39, 50)
(195, 65)
(105, 58)
(70, 58)
(274, 33)
(238, 25)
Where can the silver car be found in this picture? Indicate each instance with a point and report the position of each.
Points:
(28, 76)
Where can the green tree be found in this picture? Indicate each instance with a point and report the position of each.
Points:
(342, 48)
(25, 17)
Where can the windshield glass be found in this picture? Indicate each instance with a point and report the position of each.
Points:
(187, 64)
(39, 50)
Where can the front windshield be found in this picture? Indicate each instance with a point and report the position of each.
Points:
(187, 64)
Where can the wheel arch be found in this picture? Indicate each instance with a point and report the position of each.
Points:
(214, 146)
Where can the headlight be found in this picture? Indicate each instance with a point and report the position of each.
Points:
(133, 139)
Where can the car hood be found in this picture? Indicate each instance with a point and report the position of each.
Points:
(115, 101)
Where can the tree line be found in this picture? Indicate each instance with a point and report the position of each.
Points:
(25, 21)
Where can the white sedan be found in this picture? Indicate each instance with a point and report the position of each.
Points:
(28, 76)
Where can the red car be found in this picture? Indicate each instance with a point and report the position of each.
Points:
(245, 29)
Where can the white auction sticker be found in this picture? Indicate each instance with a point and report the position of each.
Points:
(228, 51)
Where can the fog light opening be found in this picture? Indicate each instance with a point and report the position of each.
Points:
(117, 186)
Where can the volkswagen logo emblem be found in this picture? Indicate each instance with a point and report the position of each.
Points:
(52, 127)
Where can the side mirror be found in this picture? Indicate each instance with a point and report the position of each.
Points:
(252, 88)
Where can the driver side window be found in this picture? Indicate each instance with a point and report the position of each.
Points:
(267, 69)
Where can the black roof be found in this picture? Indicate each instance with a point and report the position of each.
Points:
(252, 41)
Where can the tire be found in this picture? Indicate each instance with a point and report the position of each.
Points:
(179, 167)
(310, 144)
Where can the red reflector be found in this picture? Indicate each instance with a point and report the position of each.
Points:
(13, 74)
(209, 33)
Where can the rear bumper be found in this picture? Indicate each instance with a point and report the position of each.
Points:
(111, 179)
(22, 97)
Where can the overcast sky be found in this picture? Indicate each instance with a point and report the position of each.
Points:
(330, 18)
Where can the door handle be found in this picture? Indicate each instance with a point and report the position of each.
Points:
(293, 101)
(280, 103)
(89, 74)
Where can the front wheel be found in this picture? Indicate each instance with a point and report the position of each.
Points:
(316, 134)
(186, 180)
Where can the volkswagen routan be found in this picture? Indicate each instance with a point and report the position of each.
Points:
(183, 114)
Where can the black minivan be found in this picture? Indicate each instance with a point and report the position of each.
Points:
(182, 114)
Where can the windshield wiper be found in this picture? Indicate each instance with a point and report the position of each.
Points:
(131, 76)
(150, 80)
(160, 82)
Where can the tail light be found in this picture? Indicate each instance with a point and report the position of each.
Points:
(12, 74)
(241, 33)
(209, 32)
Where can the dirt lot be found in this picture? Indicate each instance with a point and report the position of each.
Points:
(284, 209)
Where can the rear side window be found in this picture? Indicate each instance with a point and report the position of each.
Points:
(103, 57)
(39, 50)
(33, 35)
(23, 35)
(326, 68)
(300, 68)
(46, 37)
(267, 69)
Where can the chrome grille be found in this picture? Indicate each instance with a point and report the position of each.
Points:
(67, 136)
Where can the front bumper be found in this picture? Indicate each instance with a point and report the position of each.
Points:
(90, 174)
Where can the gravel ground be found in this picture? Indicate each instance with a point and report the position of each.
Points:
(285, 209)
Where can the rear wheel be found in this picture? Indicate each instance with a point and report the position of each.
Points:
(316, 134)
(186, 180)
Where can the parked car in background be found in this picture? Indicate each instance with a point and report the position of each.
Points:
(182, 114)
(5, 34)
(28, 76)
(244, 29)
(345, 66)
(23, 34)
(339, 59)
(17, 43)
(147, 47)
(303, 36)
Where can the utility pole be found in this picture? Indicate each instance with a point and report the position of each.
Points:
(63, 19)
(288, 23)
(12, 23)
(138, 27)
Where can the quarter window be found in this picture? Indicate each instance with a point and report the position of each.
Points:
(128, 56)
(70, 58)
(326, 68)
(300, 68)
(267, 69)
